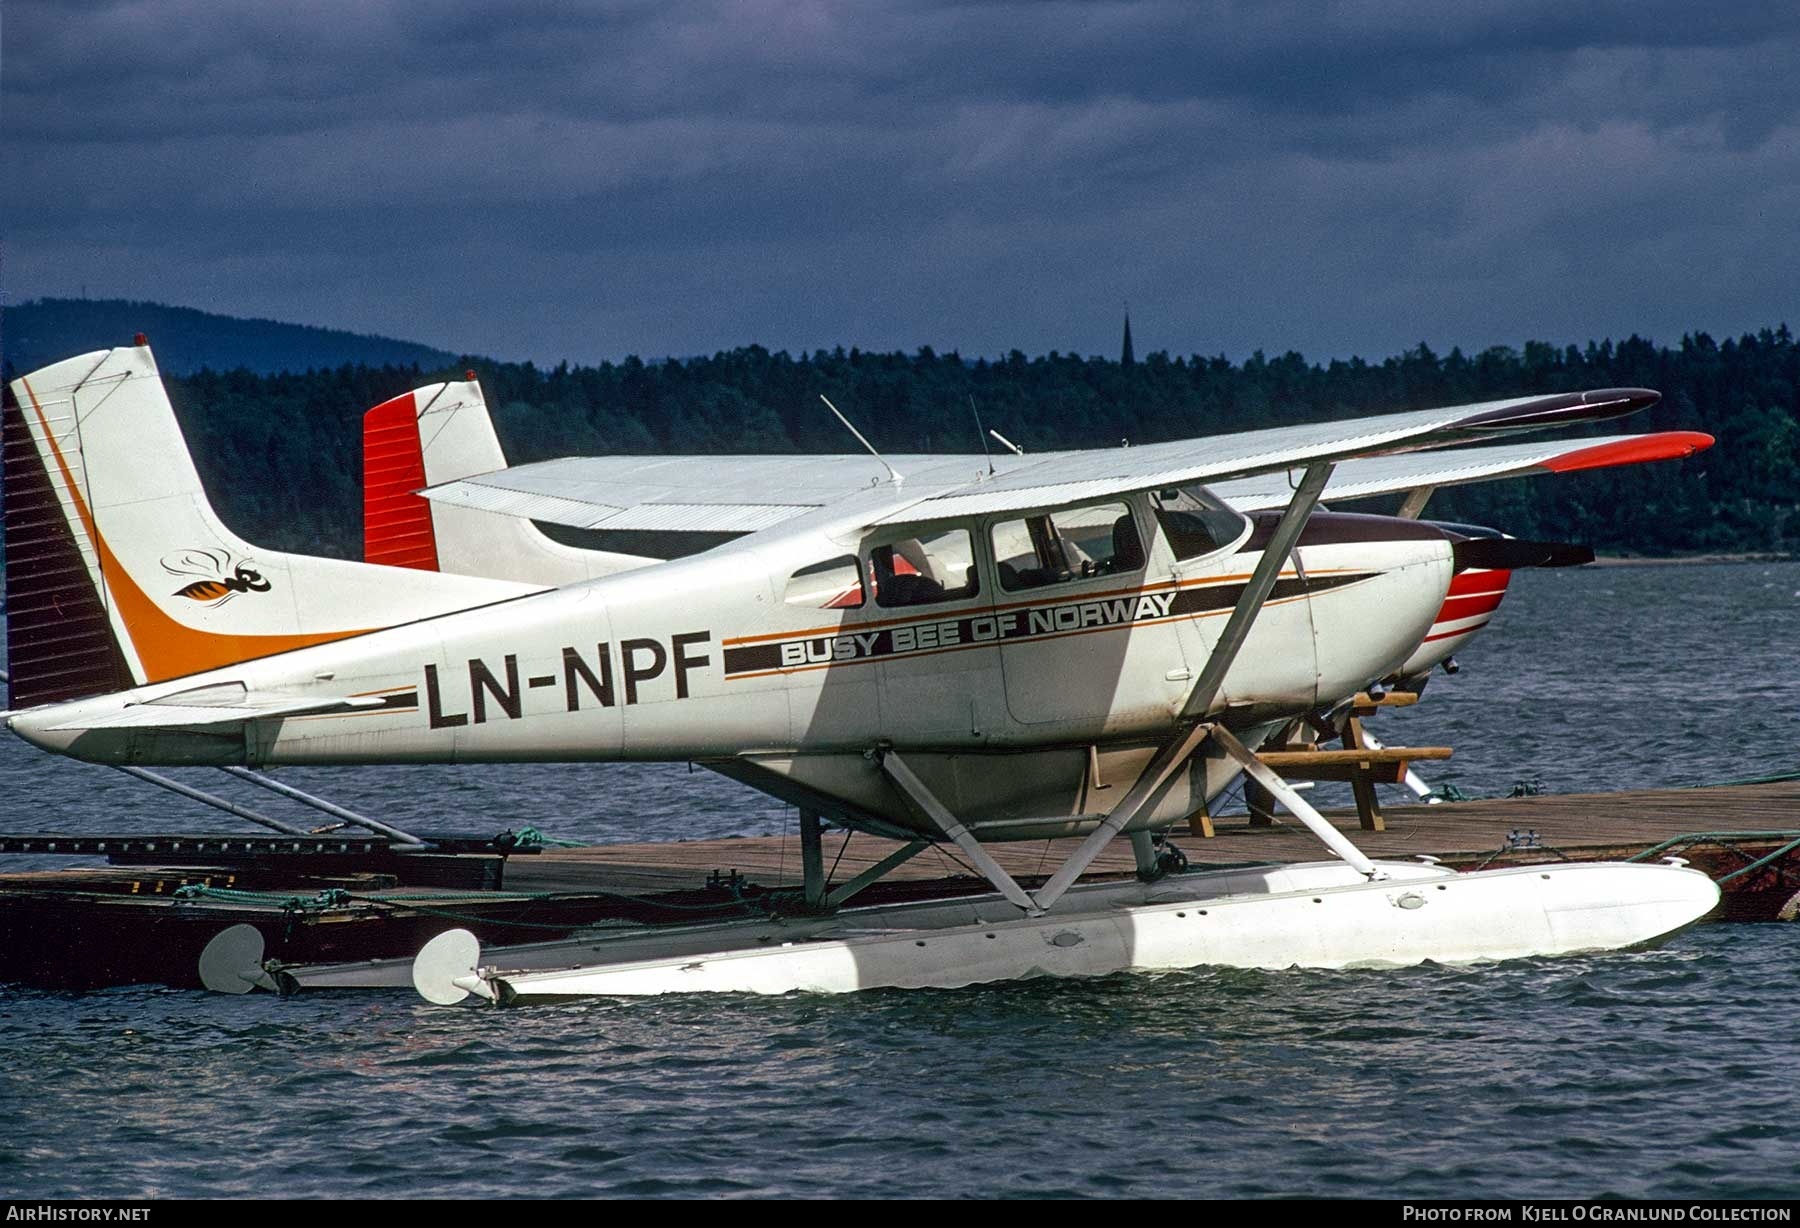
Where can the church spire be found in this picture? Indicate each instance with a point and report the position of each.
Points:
(1126, 357)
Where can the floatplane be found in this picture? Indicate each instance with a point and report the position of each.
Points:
(939, 649)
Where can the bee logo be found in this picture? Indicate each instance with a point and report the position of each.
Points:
(219, 578)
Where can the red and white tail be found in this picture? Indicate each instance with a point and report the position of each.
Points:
(440, 433)
(119, 573)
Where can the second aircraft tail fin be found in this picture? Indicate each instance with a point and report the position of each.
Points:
(440, 433)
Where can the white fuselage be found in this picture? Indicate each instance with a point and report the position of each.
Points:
(1028, 710)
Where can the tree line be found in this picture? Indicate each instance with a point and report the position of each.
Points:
(281, 454)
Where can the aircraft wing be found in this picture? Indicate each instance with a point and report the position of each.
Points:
(1380, 475)
(744, 494)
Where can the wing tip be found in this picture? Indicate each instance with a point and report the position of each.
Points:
(1640, 449)
(1563, 409)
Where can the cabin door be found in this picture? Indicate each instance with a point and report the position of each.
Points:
(1085, 640)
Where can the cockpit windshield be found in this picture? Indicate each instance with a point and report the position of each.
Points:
(1195, 520)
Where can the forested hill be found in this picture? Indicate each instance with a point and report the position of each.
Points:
(281, 453)
(46, 330)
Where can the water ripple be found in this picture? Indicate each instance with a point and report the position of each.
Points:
(1662, 1073)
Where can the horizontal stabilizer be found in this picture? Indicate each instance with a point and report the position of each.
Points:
(229, 704)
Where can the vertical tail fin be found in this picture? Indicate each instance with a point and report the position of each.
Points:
(122, 571)
(440, 433)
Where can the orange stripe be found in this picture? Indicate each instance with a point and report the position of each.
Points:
(166, 648)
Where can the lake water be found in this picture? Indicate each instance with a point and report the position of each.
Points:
(1660, 1073)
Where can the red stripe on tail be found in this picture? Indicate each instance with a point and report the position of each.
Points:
(396, 522)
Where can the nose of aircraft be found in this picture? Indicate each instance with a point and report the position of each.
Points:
(1375, 584)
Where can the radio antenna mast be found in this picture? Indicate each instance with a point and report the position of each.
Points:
(892, 472)
(981, 435)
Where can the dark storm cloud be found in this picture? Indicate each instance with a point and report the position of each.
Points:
(556, 180)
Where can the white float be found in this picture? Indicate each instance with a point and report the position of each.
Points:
(1315, 915)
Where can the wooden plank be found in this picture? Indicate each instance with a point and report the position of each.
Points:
(1283, 760)
(1366, 705)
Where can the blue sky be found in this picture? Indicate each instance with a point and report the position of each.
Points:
(557, 180)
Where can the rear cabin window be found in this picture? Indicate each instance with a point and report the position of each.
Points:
(1073, 544)
(835, 584)
(924, 570)
(1195, 521)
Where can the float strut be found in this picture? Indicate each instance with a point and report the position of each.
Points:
(812, 857)
(1414, 781)
(1284, 793)
(916, 789)
(1143, 851)
(876, 872)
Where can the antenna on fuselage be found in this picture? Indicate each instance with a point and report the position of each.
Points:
(892, 472)
(980, 436)
(1016, 449)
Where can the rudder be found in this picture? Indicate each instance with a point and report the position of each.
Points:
(59, 641)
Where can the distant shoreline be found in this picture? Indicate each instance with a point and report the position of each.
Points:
(1684, 560)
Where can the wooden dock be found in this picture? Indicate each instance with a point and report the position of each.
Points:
(138, 921)
(1586, 826)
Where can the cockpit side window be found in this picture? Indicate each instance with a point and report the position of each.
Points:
(1072, 544)
(835, 584)
(924, 570)
(1195, 521)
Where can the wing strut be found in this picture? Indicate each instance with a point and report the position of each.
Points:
(1413, 506)
(1175, 754)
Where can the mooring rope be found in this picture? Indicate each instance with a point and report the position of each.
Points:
(531, 837)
